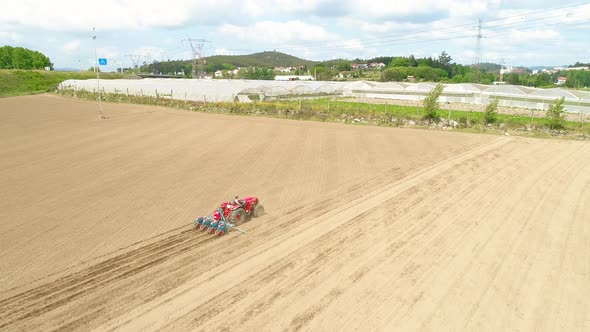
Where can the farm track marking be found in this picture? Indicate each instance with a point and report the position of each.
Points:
(357, 265)
(480, 245)
(179, 302)
(48, 292)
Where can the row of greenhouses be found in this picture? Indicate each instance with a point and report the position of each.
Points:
(479, 94)
(209, 90)
(250, 90)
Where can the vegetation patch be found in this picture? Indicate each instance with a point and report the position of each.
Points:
(349, 112)
(26, 82)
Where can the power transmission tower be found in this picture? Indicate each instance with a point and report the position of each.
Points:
(502, 70)
(148, 58)
(478, 37)
(197, 46)
(135, 58)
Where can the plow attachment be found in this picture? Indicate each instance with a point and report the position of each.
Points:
(215, 227)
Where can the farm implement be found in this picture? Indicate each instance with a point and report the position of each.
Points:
(229, 215)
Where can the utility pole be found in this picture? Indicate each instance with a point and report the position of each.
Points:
(120, 63)
(198, 58)
(100, 116)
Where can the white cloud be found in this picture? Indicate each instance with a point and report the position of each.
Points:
(389, 26)
(150, 53)
(67, 15)
(258, 8)
(353, 44)
(278, 32)
(319, 29)
(107, 52)
(71, 46)
(380, 9)
(222, 51)
(9, 36)
(517, 37)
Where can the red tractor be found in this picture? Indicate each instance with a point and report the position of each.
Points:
(230, 214)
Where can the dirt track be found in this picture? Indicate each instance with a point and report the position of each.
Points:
(367, 228)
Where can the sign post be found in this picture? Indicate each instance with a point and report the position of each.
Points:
(100, 62)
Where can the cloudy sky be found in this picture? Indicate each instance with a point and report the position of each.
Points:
(521, 32)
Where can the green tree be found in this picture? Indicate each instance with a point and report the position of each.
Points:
(444, 59)
(412, 61)
(343, 66)
(257, 74)
(543, 79)
(228, 66)
(394, 74)
(513, 78)
(322, 73)
(431, 104)
(400, 61)
(491, 112)
(6, 57)
(22, 58)
(555, 114)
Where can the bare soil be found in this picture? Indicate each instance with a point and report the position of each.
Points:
(366, 228)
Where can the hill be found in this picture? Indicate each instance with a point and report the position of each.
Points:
(24, 82)
(269, 59)
(263, 59)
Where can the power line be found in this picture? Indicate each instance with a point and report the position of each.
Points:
(434, 36)
(377, 41)
(428, 31)
(489, 35)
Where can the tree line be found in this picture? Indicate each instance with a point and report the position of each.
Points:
(397, 68)
(22, 58)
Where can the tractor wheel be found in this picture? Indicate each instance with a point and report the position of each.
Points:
(258, 211)
(237, 216)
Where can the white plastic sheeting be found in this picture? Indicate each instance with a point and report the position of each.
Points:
(240, 90)
(206, 90)
(478, 94)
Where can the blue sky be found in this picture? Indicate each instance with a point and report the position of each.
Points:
(520, 32)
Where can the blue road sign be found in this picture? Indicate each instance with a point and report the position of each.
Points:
(102, 61)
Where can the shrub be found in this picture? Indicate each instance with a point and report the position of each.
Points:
(555, 114)
(491, 112)
(431, 104)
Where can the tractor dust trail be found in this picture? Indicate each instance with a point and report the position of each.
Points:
(366, 228)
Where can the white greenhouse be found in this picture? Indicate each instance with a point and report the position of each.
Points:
(248, 90)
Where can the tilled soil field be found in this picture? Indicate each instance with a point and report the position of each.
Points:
(366, 228)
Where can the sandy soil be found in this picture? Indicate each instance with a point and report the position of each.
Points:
(366, 228)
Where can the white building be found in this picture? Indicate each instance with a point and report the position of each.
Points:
(294, 78)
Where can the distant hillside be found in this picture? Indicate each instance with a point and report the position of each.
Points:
(213, 63)
(262, 59)
(489, 67)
